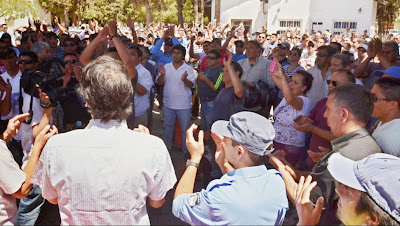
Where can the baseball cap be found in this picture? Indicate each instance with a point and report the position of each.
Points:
(285, 45)
(253, 131)
(378, 175)
(392, 71)
(168, 42)
(363, 46)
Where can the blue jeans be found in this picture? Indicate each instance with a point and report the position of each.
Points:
(29, 207)
(184, 119)
(206, 114)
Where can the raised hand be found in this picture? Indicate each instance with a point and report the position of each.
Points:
(196, 148)
(308, 215)
(184, 76)
(130, 23)
(112, 27)
(13, 126)
(161, 69)
(44, 135)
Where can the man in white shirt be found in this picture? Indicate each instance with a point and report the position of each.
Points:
(10, 98)
(178, 79)
(386, 95)
(142, 90)
(126, 169)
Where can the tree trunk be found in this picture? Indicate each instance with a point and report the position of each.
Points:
(180, 13)
(149, 17)
(196, 11)
(217, 12)
(202, 12)
(66, 13)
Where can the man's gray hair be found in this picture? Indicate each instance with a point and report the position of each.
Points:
(107, 89)
(39, 47)
(345, 59)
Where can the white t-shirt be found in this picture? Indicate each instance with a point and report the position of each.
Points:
(284, 115)
(388, 137)
(104, 174)
(319, 88)
(176, 94)
(11, 178)
(142, 103)
(26, 129)
(15, 82)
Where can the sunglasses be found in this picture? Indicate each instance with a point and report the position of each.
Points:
(72, 61)
(24, 62)
(322, 54)
(376, 99)
(334, 83)
(212, 57)
(66, 45)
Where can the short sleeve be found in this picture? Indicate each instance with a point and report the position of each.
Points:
(194, 209)
(146, 80)
(191, 76)
(165, 177)
(11, 176)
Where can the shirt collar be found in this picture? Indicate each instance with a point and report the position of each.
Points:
(342, 141)
(247, 172)
(112, 124)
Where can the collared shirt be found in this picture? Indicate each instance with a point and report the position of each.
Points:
(11, 179)
(256, 72)
(103, 174)
(15, 93)
(142, 103)
(355, 146)
(176, 94)
(385, 135)
(159, 56)
(319, 87)
(246, 196)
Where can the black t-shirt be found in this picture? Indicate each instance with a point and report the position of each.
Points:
(226, 104)
(215, 76)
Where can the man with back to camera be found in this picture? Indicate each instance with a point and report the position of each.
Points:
(248, 193)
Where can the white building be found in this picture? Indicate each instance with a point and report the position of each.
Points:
(332, 15)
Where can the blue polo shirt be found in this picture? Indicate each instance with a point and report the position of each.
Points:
(246, 196)
(159, 56)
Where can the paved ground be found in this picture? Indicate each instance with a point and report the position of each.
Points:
(164, 216)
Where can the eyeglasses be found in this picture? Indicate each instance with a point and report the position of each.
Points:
(321, 55)
(212, 57)
(24, 62)
(72, 61)
(297, 37)
(66, 45)
(293, 54)
(334, 83)
(376, 99)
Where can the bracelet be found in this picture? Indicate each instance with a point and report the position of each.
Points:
(190, 163)
(114, 35)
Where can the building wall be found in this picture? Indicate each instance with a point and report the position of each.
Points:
(242, 9)
(324, 13)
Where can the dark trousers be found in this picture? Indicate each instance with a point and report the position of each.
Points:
(16, 150)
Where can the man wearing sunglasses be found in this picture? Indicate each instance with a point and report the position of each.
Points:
(70, 46)
(27, 61)
(386, 96)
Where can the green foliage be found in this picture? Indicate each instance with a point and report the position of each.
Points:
(12, 9)
(188, 15)
(387, 12)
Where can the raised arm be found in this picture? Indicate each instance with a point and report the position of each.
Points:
(237, 84)
(191, 49)
(281, 81)
(228, 39)
(87, 54)
(131, 25)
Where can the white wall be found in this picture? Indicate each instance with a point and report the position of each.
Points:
(242, 9)
(325, 11)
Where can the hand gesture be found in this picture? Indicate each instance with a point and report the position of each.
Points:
(303, 124)
(142, 129)
(130, 23)
(196, 148)
(13, 126)
(228, 61)
(5, 87)
(37, 24)
(112, 27)
(308, 215)
(371, 49)
(44, 98)
(78, 73)
(316, 156)
(161, 69)
(102, 36)
(44, 135)
(202, 77)
(184, 76)
(192, 39)
(378, 45)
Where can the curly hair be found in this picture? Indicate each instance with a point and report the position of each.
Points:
(107, 89)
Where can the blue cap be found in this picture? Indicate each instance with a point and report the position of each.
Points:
(378, 175)
(392, 71)
(253, 131)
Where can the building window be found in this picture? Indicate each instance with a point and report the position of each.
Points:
(246, 23)
(289, 23)
(344, 25)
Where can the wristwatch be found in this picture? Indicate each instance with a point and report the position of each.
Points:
(190, 163)
(114, 35)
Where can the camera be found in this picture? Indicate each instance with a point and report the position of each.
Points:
(48, 81)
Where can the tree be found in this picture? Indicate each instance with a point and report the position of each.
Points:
(11, 9)
(179, 4)
(217, 11)
(149, 17)
(387, 12)
(196, 11)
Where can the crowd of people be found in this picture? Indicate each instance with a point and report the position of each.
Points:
(301, 127)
